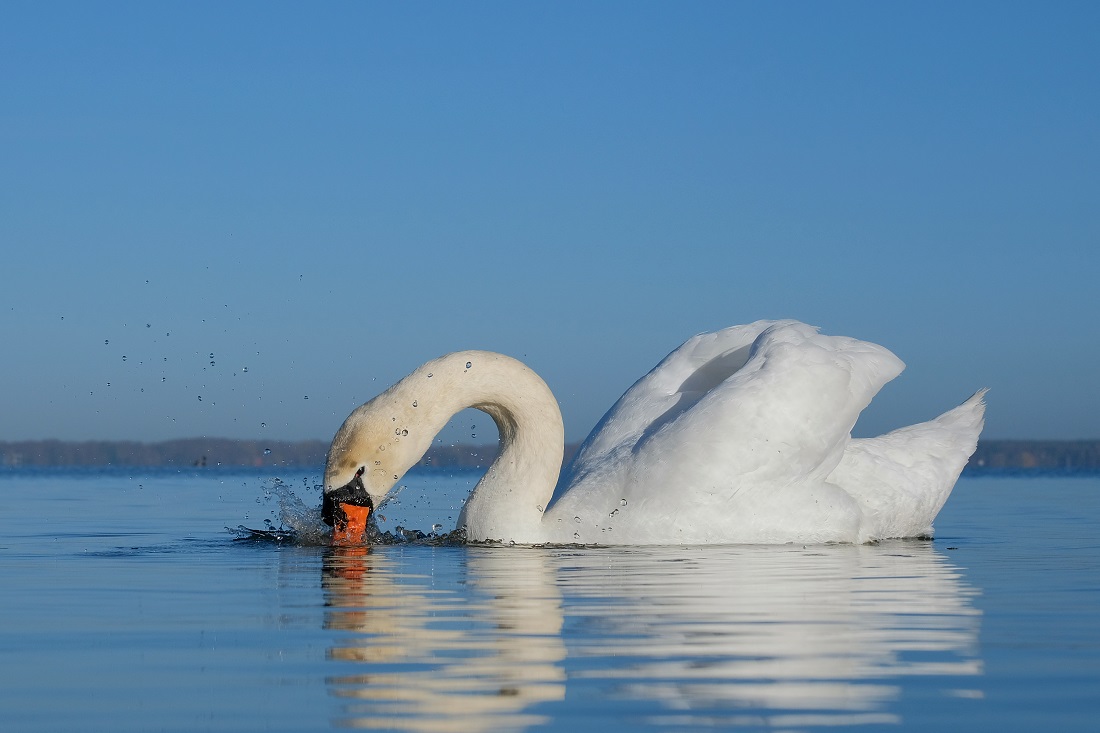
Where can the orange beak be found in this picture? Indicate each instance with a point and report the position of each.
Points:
(350, 529)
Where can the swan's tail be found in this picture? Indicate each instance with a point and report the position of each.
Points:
(902, 479)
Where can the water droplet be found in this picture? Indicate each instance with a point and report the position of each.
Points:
(577, 520)
(200, 398)
(124, 358)
(622, 502)
(539, 507)
(263, 425)
(106, 341)
(429, 375)
(245, 369)
(148, 325)
(414, 401)
(395, 477)
(404, 432)
(306, 397)
(577, 536)
(381, 447)
(613, 512)
(469, 364)
(267, 451)
(164, 379)
(437, 527)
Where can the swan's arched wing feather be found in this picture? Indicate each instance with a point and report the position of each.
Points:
(763, 426)
(784, 417)
(696, 365)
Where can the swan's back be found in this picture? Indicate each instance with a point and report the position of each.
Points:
(732, 438)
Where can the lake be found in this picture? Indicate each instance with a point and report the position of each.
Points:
(127, 605)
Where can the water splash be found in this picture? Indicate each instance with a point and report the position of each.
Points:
(296, 518)
(280, 536)
(403, 536)
(301, 524)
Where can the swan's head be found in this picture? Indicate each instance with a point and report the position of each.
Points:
(374, 447)
(346, 509)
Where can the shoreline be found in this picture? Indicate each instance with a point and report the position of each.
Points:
(991, 456)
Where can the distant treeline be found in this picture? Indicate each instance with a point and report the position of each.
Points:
(187, 452)
(991, 456)
(1042, 455)
(207, 452)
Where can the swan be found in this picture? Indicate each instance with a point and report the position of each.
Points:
(738, 436)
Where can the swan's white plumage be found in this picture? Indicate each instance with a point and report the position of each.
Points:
(902, 479)
(742, 435)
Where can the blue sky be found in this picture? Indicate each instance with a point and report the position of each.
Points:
(323, 196)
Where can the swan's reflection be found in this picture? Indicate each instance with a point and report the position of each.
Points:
(799, 637)
(780, 637)
(446, 660)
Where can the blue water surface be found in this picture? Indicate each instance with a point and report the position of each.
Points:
(128, 606)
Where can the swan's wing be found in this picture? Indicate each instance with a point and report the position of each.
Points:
(902, 479)
(773, 428)
(678, 381)
(785, 416)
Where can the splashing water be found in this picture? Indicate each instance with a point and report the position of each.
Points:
(302, 525)
(297, 521)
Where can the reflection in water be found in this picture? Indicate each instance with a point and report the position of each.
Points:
(799, 637)
(444, 661)
(785, 637)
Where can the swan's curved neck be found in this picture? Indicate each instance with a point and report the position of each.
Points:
(388, 436)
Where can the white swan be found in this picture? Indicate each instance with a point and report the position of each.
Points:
(738, 436)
